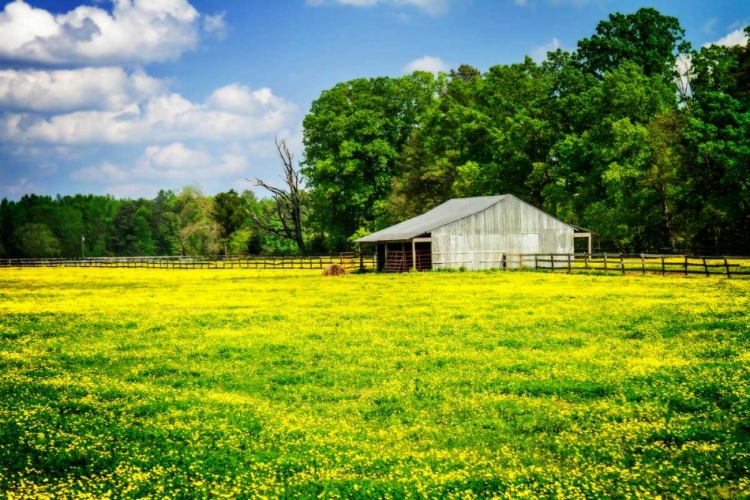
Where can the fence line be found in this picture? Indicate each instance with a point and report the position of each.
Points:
(633, 263)
(349, 260)
(606, 263)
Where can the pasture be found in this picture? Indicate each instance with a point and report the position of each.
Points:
(267, 384)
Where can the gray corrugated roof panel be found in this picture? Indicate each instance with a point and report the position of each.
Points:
(450, 211)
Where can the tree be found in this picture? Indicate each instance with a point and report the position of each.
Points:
(199, 232)
(229, 212)
(68, 228)
(647, 38)
(287, 219)
(716, 138)
(142, 234)
(37, 241)
(166, 224)
(352, 136)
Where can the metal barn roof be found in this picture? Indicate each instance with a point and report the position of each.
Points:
(450, 211)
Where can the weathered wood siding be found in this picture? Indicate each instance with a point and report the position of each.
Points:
(509, 227)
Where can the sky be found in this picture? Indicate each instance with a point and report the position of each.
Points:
(128, 97)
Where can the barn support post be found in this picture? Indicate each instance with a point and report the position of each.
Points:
(413, 254)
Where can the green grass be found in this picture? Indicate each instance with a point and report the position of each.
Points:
(179, 384)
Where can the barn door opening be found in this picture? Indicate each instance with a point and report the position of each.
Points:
(423, 256)
(402, 257)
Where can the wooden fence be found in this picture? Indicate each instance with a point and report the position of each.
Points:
(350, 260)
(606, 263)
(633, 263)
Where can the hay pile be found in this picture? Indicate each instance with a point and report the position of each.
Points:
(334, 270)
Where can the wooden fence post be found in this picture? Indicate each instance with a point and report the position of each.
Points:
(705, 266)
(605, 263)
(663, 269)
(686, 265)
(643, 264)
(726, 266)
(622, 264)
(586, 260)
(536, 262)
(568, 263)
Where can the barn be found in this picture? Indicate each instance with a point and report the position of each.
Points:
(477, 233)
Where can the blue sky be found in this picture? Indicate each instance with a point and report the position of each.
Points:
(132, 96)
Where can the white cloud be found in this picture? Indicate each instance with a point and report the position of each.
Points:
(107, 88)
(736, 37)
(173, 164)
(215, 24)
(136, 31)
(426, 63)
(106, 172)
(19, 188)
(167, 117)
(177, 155)
(240, 98)
(539, 53)
(433, 7)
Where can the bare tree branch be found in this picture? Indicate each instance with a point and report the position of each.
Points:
(288, 203)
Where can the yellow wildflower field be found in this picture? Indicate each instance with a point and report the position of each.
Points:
(283, 384)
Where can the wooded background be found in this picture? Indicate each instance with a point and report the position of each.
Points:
(635, 135)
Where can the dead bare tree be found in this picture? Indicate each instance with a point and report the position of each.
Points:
(288, 202)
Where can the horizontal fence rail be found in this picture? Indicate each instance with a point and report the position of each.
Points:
(349, 260)
(643, 264)
(605, 263)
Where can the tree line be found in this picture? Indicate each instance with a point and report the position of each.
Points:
(635, 135)
(185, 222)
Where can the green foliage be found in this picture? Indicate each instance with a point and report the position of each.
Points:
(596, 137)
(647, 38)
(143, 241)
(352, 137)
(230, 214)
(239, 241)
(36, 240)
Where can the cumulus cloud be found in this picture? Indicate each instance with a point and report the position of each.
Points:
(426, 63)
(433, 7)
(106, 172)
(136, 31)
(215, 24)
(177, 155)
(107, 88)
(539, 53)
(166, 117)
(18, 188)
(736, 37)
(159, 165)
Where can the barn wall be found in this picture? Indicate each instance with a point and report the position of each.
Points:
(509, 227)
